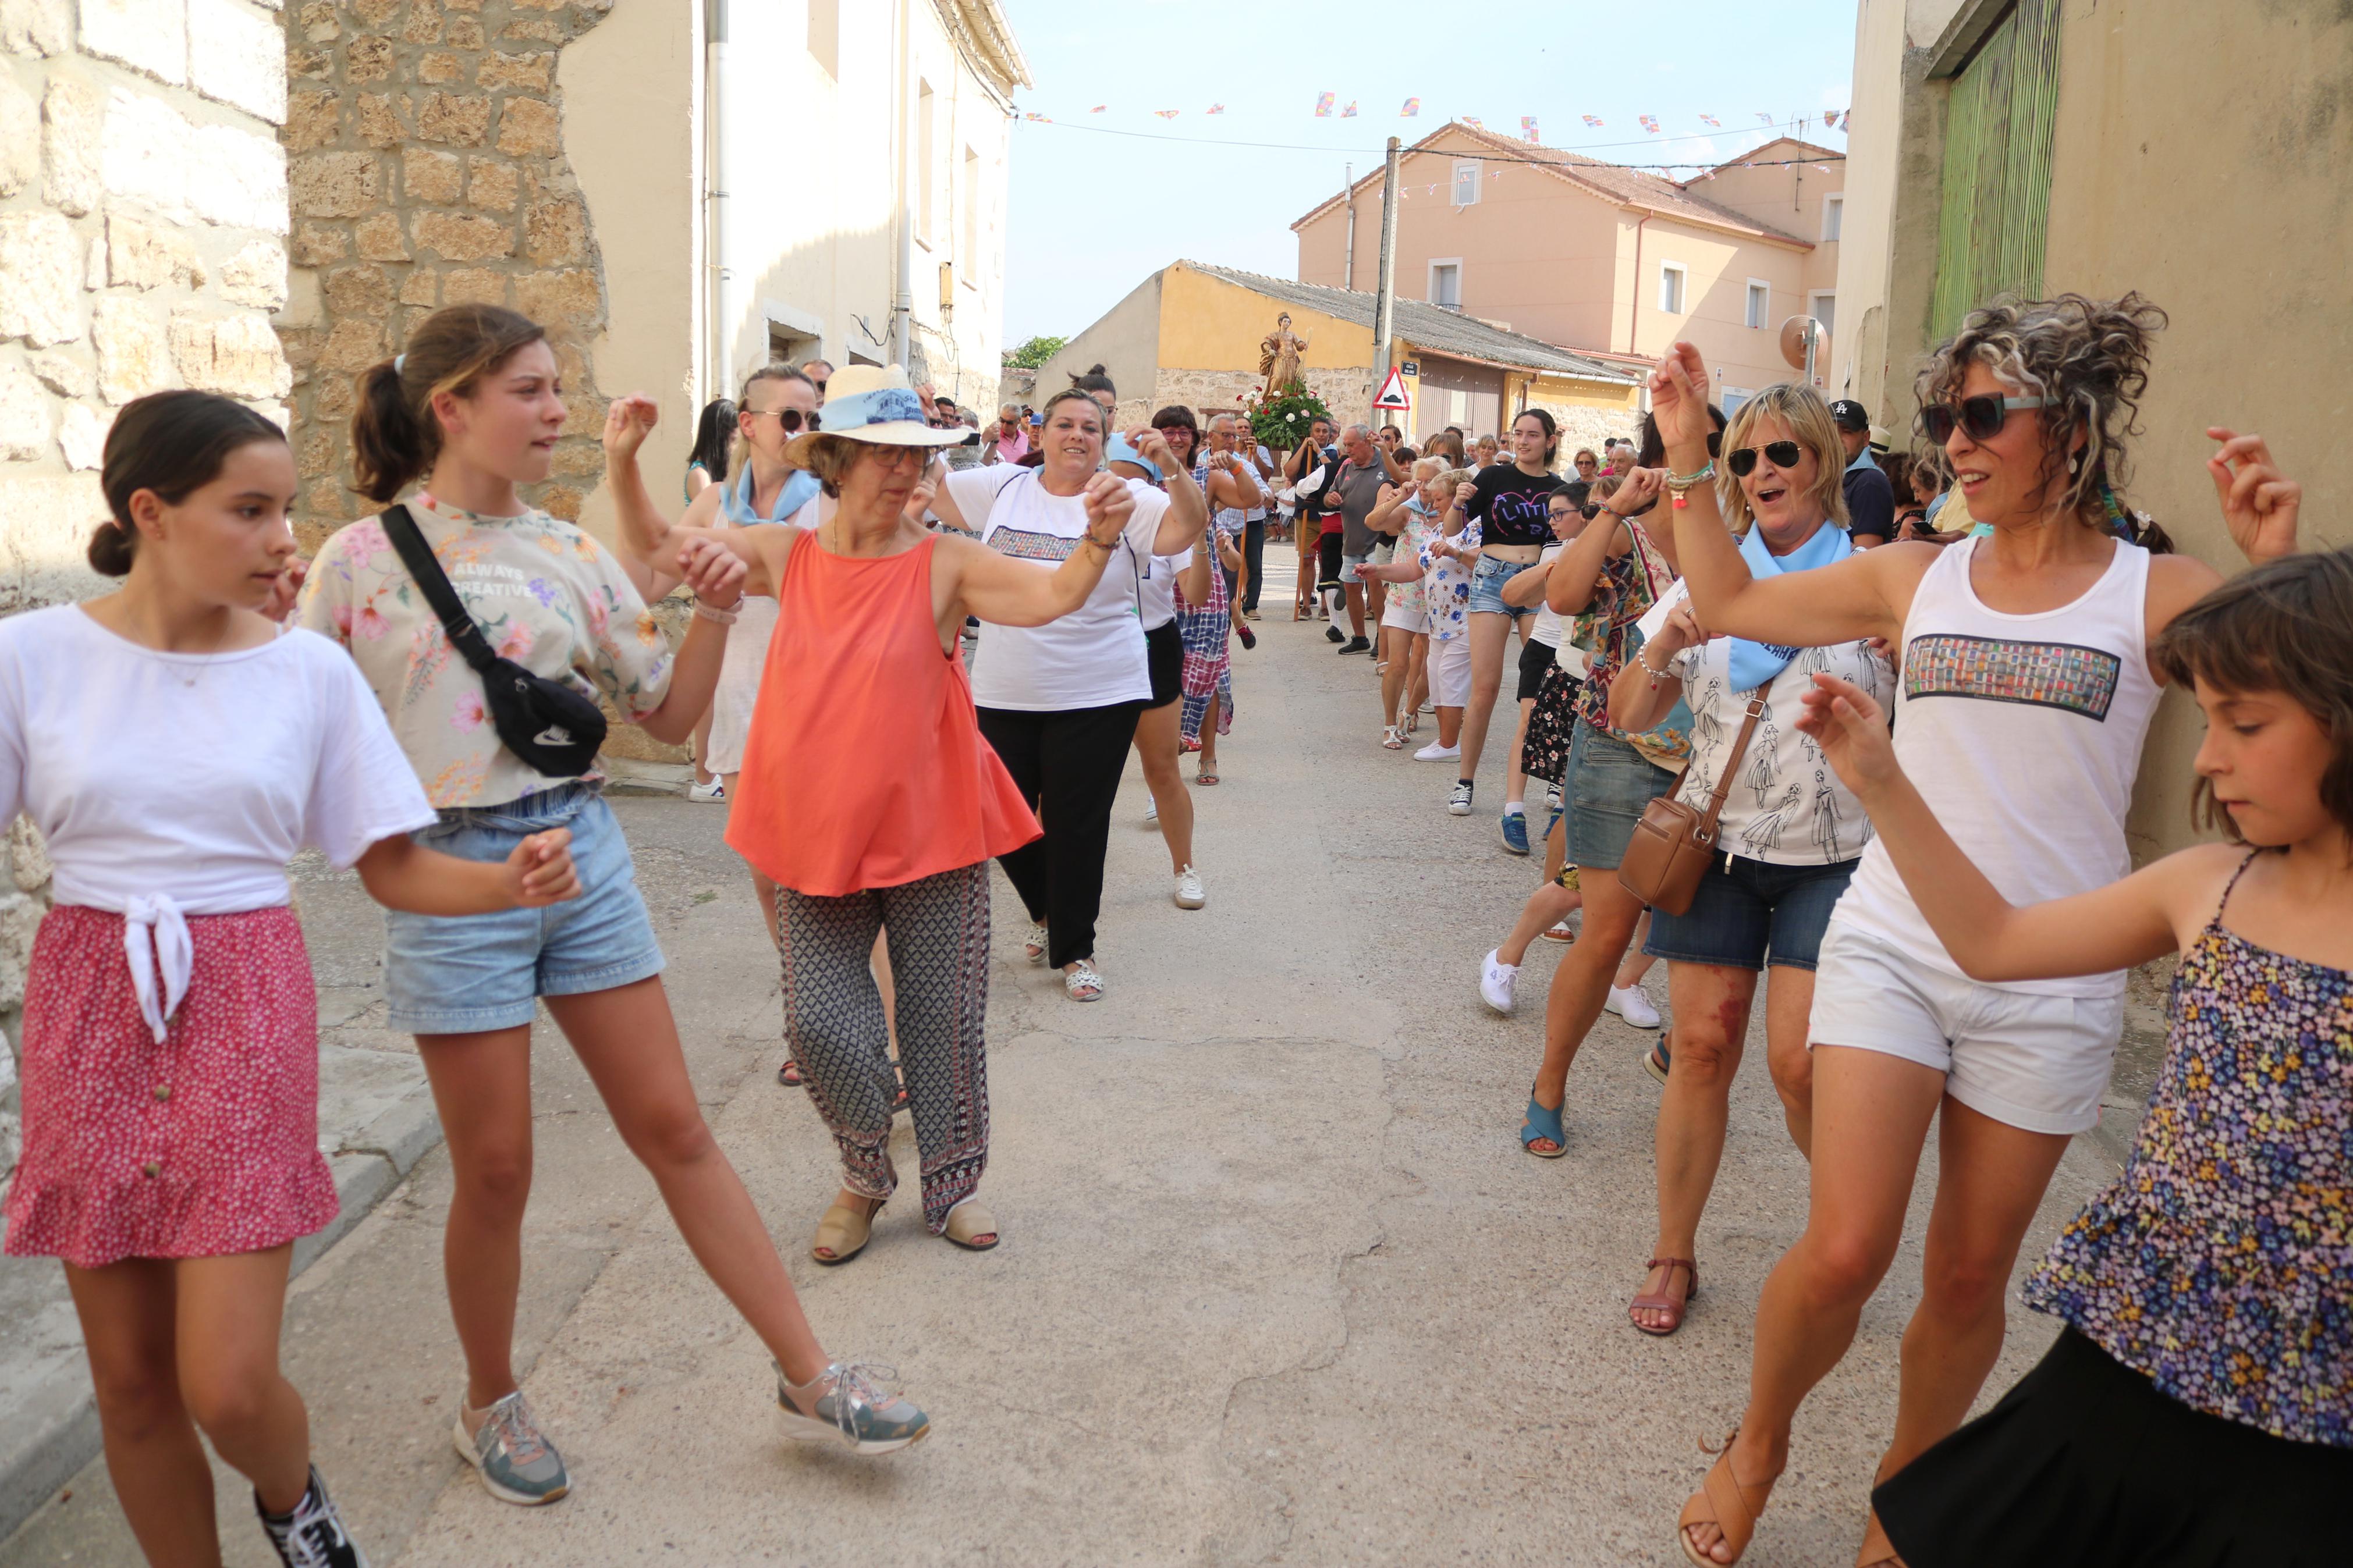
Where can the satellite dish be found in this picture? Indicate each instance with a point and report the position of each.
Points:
(1803, 339)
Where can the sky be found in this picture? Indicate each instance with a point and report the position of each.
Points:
(1094, 214)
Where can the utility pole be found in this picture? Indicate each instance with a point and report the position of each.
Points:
(1384, 304)
(1348, 194)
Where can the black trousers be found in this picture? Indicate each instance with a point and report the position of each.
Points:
(1254, 557)
(1067, 766)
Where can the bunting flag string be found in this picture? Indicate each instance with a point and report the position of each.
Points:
(1528, 126)
(1474, 122)
(1593, 119)
(1413, 108)
(1648, 122)
(1324, 102)
(1097, 108)
(1167, 113)
(1216, 109)
(1039, 118)
(1710, 120)
(1349, 112)
(1765, 117)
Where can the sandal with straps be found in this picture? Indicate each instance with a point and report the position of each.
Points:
(1673, 1306)
(1542, 1124)
(1082, 982)
(1723, 1503)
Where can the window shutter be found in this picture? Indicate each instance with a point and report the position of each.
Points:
(1998, 123)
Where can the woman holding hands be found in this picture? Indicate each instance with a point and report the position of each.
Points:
(2028, 682)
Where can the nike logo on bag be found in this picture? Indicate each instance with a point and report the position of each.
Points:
(553, 735)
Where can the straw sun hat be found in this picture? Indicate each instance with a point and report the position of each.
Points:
(875, 402)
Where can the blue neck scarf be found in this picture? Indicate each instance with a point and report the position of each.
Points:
(736, 501)
(1755, 663)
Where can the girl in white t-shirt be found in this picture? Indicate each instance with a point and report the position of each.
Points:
(177, 751)
(1060, 701)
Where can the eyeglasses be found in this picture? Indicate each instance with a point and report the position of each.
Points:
(1586, 463)
(1780, 454)
(787, 419)
(1982, 416)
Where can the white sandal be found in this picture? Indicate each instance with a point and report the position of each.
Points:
(1082, 982)
(1393, 738)
(1033, 948)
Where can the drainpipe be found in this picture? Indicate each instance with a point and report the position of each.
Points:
(718, 366)
(902, 304)
(1348, 277)
(1634, 306)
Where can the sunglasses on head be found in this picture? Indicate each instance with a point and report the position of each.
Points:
(789, 420)
(1982, 416)
(1780, 454)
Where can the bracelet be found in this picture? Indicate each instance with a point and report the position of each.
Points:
(1099, 544)
(725, 617)
(1678, 483)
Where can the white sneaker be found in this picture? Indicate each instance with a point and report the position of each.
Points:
(1189, 895)
(1151, 811)
(716, 790)
(1434, 753)
(1633, 1003)
(1495, 982)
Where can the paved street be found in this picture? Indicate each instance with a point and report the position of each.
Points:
(1278, 1285)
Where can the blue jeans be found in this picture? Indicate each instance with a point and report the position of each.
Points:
(1752, 914)
(463, 975)
(1487, 579)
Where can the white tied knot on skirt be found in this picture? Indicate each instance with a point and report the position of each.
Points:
(155, 938)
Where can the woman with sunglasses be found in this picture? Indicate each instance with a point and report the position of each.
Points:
(2028, 688)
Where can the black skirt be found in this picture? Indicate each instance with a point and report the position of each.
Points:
(2084, 1463)
(1164, 657)
(1551, 722)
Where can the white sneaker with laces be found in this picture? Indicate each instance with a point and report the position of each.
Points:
(1458, 801)
(1437, 753)
(1496, 979)
(1189, 895)
(1633, 1003)
(715, 791)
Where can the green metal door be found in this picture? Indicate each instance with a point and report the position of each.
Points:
(1997, 184)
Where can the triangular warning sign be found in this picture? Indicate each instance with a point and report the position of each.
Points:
(1393, 393)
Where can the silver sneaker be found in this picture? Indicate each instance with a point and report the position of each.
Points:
(848, 1404)
(514, 1458)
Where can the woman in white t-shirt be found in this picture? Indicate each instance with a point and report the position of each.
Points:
(1790, 832)
(1060, 701)
(176, 750)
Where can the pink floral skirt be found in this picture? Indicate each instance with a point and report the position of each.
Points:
(205, 1145)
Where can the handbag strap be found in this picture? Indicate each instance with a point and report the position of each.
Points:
(417, 556)
(1731, 765)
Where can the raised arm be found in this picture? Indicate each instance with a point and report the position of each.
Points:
(647, 549)
(1010, 593)
(1189, 510)
(1384, 517)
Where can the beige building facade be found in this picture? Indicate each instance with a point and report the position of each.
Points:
(1595, 256)
(2181, 149)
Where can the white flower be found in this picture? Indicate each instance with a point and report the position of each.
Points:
(1291, 418)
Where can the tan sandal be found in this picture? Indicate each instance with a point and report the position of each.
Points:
(1673, 1306)
(971, 1226)
(1878, 1551)
(1723, 1503)
(843, 1232)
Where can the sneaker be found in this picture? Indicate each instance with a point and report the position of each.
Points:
(1353, 644)
(1189, 895)
(1250, 637)
(846, 1404)
(313, 1536)
(716, 790)
(1514, 831)
(1334, 634)
(1495, 982)
(1435, 752)
(1552, 800)
(1633, 1003)
(514, 1458)
(1657, 1059)
(1249, 612)
(1151, 811)
(1458, 801)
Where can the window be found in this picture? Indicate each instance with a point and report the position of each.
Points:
(825, 35)
(1466, 182)
(1732, 397)
(1760, 303)
(1823, 308)
(971, 241)
(1833, 216)
(927, 220)
(1671, 288)
(1446, 284)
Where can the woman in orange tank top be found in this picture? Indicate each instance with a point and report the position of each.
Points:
(870, 798)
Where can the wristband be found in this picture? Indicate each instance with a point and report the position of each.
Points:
(725, 617)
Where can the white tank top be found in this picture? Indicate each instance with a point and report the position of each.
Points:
(2023, 734)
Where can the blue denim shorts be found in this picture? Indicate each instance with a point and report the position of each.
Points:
(1608, 782)
(462, 974)
(1752, 915)
(1487, 579)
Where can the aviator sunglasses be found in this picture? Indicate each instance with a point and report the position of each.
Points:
(1780, 454)
(1982, 416)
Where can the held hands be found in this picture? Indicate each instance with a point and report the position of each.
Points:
(2259, 504)
(715, 571)
(1679, 397)
(1107, 499)
(627, 421)
(1641, 487)
(1682, 630)
(1851, 730)
(539, 870)
(1153, 447)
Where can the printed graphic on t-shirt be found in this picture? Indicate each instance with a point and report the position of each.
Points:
(1024, 545)
(2066, 676)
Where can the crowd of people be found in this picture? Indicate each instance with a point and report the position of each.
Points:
(1796, 721)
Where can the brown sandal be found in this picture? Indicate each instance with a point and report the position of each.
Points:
(1671, 1305)
(1723, 1503)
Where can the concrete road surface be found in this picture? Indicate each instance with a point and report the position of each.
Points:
(1278, 1285)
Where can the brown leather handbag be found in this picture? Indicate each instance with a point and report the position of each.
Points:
(1669, 852)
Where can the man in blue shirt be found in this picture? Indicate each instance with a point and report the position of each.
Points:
(1870, 498)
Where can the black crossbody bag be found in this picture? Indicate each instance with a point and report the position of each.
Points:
(543, 721)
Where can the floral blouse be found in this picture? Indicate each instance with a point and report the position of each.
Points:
(1631, 584)
(1419, 527)
(2220, 1262)
(546, 594)
(1446, 584)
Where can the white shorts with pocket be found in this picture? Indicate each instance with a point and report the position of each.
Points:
(1403, 617)
(2031, 1061)
(1450, 671)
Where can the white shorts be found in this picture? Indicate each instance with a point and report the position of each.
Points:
(2031, 1061)
(1403, 617)
(1450, 671)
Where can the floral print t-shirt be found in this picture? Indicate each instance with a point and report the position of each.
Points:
(1419, 527)
(546, 594)
(1631, 584)
(1446, 584)
(2220, 1262)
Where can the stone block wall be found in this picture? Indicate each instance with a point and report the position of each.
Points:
(1206, 392)
(427, 168)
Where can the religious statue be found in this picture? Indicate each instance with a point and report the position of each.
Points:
(1279, 353)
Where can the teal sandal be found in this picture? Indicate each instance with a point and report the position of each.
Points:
(1543, 1124)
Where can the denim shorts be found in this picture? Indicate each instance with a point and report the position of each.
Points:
(1487, 579)
(462, 974)
(1752, 915)
(1609, 783)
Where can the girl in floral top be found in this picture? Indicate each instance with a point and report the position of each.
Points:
(1409, 514)
(2198, 1406)
(473, 408)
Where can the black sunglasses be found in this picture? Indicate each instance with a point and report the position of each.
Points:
(1982, 416)
(1780, 454)
(1590, 510)
(787, 419)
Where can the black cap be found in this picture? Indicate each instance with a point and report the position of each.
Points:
(1849, 415)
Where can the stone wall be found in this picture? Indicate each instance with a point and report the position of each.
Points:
(1582, 424)
(427, 169)
(1207, 392)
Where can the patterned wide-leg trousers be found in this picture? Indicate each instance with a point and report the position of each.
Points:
(938, 936)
